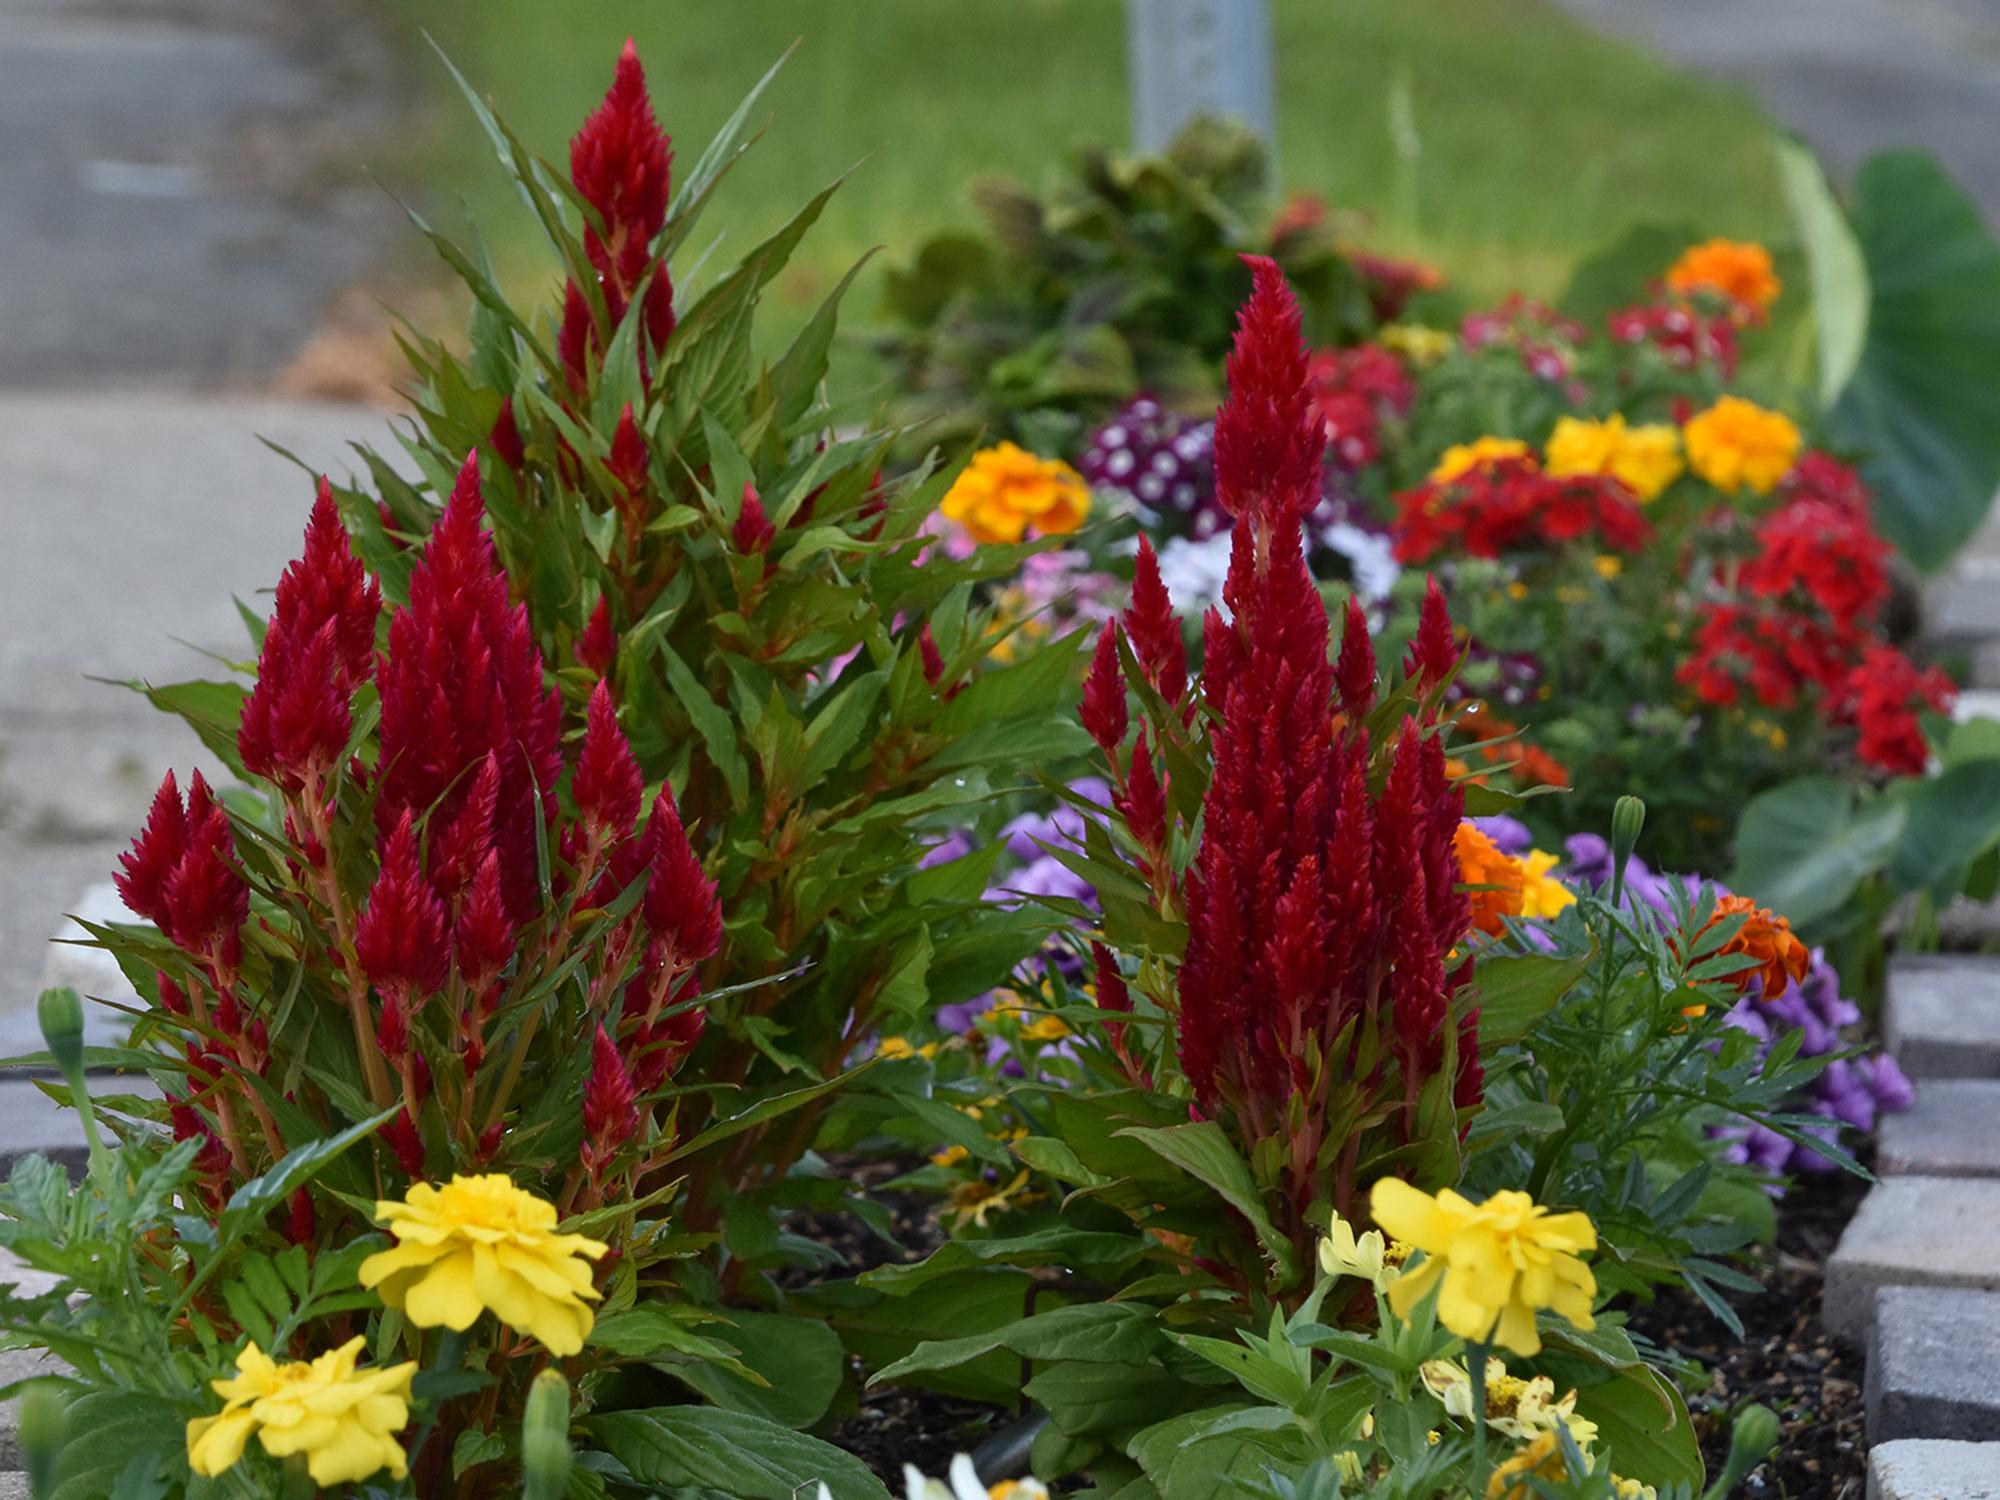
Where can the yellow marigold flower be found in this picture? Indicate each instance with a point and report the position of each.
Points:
(1342, 1253)
(1542, 895)
(1045, 1029)
(1644, 459)
(1515, 1408)
(1463, 458)
(1737, 444)
(895, 1048)
(1499, 1261)
(1540, 1459)
(1496, 876)
(344, 1420)
(1416, 343)
(950, 1156)
(480, 1244)
(1005, 490)
(1737, 269)
(974, 1202)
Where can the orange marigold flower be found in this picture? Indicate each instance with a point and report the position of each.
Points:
(1736, 269)
(1006, 491)
(1782, 960)
(1481, 864)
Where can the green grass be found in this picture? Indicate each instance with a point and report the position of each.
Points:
(1539, 141)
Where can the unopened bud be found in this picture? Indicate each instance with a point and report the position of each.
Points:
(545, 1455)
(1628, 817)
(61, 1015)
(1752, 1436)
(44, 1419)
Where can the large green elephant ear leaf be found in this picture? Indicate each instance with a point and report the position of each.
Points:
(1923, 406)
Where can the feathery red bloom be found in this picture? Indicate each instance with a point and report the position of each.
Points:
(929, 656)
(506, 436)
(753, 530)
(628, 461)
(597, 647)
(1268, 440)
(484, 939)
(1144, 802)
(180, 873)
(318, 646)
(1154, 629)
(680, 904)
(400, 935)
(1354, 669)
(621, 163)
(462, 681)
(1103, 710)
(610, 1103)
(1434, 654)
(406, 1143)
(608, 784)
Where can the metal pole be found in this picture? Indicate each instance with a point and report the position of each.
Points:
(1191, 57)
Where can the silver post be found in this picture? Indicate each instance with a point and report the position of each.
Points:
(1193, 57)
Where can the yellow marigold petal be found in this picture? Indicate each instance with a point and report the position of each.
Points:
(1516, 1330)
(215, 1444)
(1406, 1214)
(445, 1296)
(1409, 1289)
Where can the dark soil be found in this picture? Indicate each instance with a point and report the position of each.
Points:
(1785, 1358)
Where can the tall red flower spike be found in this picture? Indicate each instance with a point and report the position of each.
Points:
(753, 530)
(400, 936)
(610, 1104)
(180, 873)
(608, 784)
(621, 163)
(1154, 628)
(597, 647)
(1103, 710)
(462, 681)
(1312, 906)
(680, 906)
(319, 645)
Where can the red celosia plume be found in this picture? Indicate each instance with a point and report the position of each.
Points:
(181, 875)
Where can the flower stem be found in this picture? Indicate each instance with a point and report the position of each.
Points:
(1475, 1365)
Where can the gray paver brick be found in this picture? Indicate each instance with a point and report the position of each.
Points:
(1941, 1015)
(1934, 1364)
(1928, 1469)
(1913, 1231)
(1953, 1130)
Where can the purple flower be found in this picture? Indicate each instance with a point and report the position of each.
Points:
(1162, 462)
(1885, 1079)
(952, 846)
(1510, 835)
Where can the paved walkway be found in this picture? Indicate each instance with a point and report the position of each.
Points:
(181, 192)
(131, 523)
(1852, 76)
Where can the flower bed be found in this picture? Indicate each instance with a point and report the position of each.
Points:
(675, 834)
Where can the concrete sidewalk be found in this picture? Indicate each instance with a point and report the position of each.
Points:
(130, 523)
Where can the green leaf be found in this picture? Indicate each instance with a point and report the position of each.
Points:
(1923, 406)
(798, 1362)
(1516, 992)
(473, 1447)
(1803, 848)
(1202, 1150)
(1112, 1331)
(1834, 263)
(730, 1452)
(1608, 280)
(1949, 820)
(716, 728)
(212, 710)
(1642, 1420)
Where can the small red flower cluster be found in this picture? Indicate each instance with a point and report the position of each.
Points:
(1687, 339)
(1391, 283)
(1510, 505)
(1544, 337)
(1323, 903)
(1354, 391)
(466, 815)
(620, 163)
(1802, 623)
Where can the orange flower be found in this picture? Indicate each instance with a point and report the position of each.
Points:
(1480, 863)
(1734, 269)
(1782, 960)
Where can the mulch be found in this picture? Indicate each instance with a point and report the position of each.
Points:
(1785, 1359)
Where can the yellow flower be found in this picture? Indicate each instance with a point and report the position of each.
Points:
(1516, 1408)
(1045, 1029)
(480, 1244)
(1341, 1253)
(1644, 459)
(1462, 458)
(342, 1419)
(1632, 1489)
(1737, 444)
(1542, 895)
(951, 1156)
(1608, 567)
(1541, 1459)
(1349, 1464)
(973, 1202)
(1736, 269)
(1005, 490)
(1416, 343)
(896, 1048)
(1499, 1261)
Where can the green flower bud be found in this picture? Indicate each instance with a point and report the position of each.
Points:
(1628, 817)
(61, 1015)
(545, 1455)
(44, 1417)
(1752, 1437)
